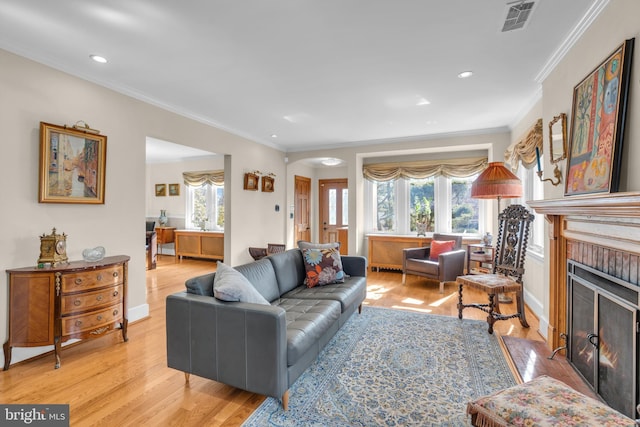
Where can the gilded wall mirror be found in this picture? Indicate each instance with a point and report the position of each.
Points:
(558, 138)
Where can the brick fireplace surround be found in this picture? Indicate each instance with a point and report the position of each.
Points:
(601, 232)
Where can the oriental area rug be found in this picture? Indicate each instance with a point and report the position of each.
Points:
(389, 367)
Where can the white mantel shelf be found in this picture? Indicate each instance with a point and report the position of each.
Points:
(608, 204)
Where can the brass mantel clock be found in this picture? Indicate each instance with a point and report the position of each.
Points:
(53, 249)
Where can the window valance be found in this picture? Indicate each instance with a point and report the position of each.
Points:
(450, 168)
(197, 179)
(524, 151)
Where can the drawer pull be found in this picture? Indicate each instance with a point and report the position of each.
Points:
(77, 302)
(79, 281)
(99, 317)
(99, 297)
(115, 274)
(115, 293)
(78, 322)
(115, 312)
(99, 277)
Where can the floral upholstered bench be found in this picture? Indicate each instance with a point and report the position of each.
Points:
(543, 401)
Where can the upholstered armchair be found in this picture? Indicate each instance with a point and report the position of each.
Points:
(442, 261)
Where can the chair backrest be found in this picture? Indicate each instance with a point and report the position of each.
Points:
(457, 239)
(274, 248)
(151, 225)
(511, 247)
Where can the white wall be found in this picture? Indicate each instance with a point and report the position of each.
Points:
(616, 23)
(32, 93)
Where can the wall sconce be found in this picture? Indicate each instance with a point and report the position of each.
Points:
(556, 172)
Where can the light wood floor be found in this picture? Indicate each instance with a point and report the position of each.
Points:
(110, 383)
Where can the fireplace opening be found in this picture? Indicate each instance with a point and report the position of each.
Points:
(603, 334)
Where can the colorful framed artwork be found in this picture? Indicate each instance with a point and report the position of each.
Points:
(597, 126)
(267, 184)
(251, 181)
(72, 165)
(161, 190)
(174, 189)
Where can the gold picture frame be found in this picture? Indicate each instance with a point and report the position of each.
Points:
(72, 165)
(161, 190)
(174, 189)
(251, 181)
(267, 184)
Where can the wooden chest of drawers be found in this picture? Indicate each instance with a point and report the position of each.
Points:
(48, 306)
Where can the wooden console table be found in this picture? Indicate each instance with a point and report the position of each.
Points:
(48, 306)
(200, 244)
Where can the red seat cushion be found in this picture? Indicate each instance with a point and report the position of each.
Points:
(440, 246)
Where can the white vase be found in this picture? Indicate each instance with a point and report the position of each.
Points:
(487, 238)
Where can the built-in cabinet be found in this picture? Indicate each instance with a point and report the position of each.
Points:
(50, 305)
(385, 251)
(199, 244)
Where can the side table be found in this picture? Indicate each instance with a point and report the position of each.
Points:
(482, 256)
(165, 235)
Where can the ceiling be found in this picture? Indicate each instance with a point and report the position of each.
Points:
(298, 74)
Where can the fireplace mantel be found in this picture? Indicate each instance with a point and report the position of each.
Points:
(608, 220)
(612, 204)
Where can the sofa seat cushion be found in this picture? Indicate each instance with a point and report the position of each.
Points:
(422, 265)
(349, 293)
(307, 321)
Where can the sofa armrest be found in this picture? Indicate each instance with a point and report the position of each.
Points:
(240, 344)
(354, 265)
(452, 264)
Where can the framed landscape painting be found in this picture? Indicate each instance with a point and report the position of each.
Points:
(597, 126)
(72, 165)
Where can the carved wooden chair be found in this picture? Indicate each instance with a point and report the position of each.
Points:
(508, 267)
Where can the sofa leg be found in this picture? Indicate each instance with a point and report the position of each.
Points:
(442, 287)
(186, 377)
(285, 400)
(404, 278)
(360, 309)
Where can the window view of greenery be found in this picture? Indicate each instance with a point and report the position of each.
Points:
(421, 204)
(424, 205)
(207, 207)
(464, 209)
(385, 202)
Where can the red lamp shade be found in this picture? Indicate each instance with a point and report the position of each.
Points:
(496, 182)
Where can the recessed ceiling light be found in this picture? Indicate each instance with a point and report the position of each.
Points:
(98, 58)
(423, 101)
(274, 135)
(465, 74)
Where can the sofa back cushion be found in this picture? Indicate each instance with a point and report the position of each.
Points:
(262, 276)
(289, 268)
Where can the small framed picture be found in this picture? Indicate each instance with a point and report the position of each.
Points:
(267, 184)
(251, 181)
(161, 190)
(174, 189)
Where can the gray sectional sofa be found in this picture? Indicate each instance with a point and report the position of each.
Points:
(261, 348)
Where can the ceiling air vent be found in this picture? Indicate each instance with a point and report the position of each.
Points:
(517, 15)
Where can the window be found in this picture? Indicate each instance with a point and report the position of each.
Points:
(533, 189)
(205, 207)
(443, 204)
